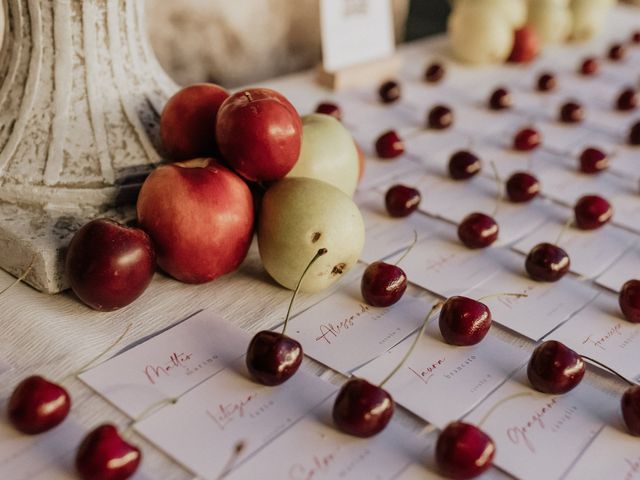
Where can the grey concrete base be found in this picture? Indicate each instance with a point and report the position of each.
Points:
(37, 237)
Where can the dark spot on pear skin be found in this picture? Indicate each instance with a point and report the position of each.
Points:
(315, 237)
(338, 269)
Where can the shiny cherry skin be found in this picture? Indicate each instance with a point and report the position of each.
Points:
(630, 405)
(629, 300)
(440, 117)
(634, 134)
(627, 100)
(464, 165)
(464, 451)
(526, 140)
(617, 52)
(635, 37)
(593, 160)
(592, 212)
(571, 112)
(383, 284)
(464, 321)
(555, 368)
(401, 200)
(389, 145)
(522, 187)
(104, 455)
(37, 405)
(500, 99)
(389, 92)
(362, 409)
(547, 263)
(329, 108)
(589, 66)
(273, 358)
(546, 82)
(434, 73)
(478, 230)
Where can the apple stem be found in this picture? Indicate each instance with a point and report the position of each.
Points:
(608, 369)
(235, 454)
(436, 306)
(318, 254)
(21, 277)
(504, 400)
(500, 197)
(409, 248)
(493, 295)
(565, 227)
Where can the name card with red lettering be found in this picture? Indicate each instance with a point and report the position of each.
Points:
(626, 268)
(168, 364)
(601, 332)
(202, 430)
(441, 382)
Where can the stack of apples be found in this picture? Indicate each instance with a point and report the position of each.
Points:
(196, 212)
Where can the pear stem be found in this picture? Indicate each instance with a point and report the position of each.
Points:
(237, 451)
(500, 197)
(409, 248)
(413, 345)
(21, 277)
(504, 400)
(318, 254)
(608, 369)
(493, 295)
(565, 227)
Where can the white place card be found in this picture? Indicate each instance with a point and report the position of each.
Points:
(453, 379)
(169, 364)
(203, 428)
(626, 268)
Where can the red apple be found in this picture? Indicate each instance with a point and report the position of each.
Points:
(188, 121)
(109, 265)
(199, 215)
(259, 134)
(526, 45)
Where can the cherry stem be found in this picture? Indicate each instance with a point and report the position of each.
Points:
(409, 248)
(504, 400)
(565, 227)
(493, 295)
(318, 254)
(21, 277)
(151, 409)
(496, 176)
(608, 369)
(413, 345)
(235, 454)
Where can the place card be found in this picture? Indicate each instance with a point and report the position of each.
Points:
(546, 305)
(427, 470)
(454, 379)
(539, 435)
(626, 268)
(601, 332)
(202, 430)
(169, 364)
(315, 449)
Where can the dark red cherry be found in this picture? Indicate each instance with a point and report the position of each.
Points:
(571, 112)
(547, 262)
(634, 134)
(329, 108)
(389, 145)
(555, 368)
(440, 117)
(522, 187)
(593, 160)
(389, 91)
(589, 66)
(500, 99)
(478, 230)
(592, 211)
(616, 52)
(635, 37)
(402, 201)
(546, 82)
(37, 405)
(631, 409)
(629, 300)
(526, 140)
(627, 100)
(362, 409)
(464, 321)
(464, 165)
(104, 455)
(434, 73)
(464, 451)
(273, 358)
(383, 284)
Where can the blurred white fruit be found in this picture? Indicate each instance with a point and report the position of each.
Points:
(589, 17)
(514, 11)
(551, 19)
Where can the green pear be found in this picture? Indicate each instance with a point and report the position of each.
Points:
(328, 153)
(298, 217)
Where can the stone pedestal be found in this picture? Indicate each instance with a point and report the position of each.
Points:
(80, 98)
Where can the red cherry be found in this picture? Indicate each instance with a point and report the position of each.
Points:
(362, 409)
(547, 263)
(464, 165)
(522, 187)
(478, 230)
(402, 201)
(37, 405)
(593, 160)
(627, 100)
(526, 140)
(635, 37)
(389, 92)
(589, 66)
(329, 108)
(634, 134)
(273, 358)
(440, 117)
(389, 145)
(629, 300)
(546, 82)
(592, 211)
(464, 451)
(434, 73)
(383, 284)
(500, 99)
(630, 405)
(464, 321)
(616, 52)
(104, 455)
(571, 112)
(555, 368)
